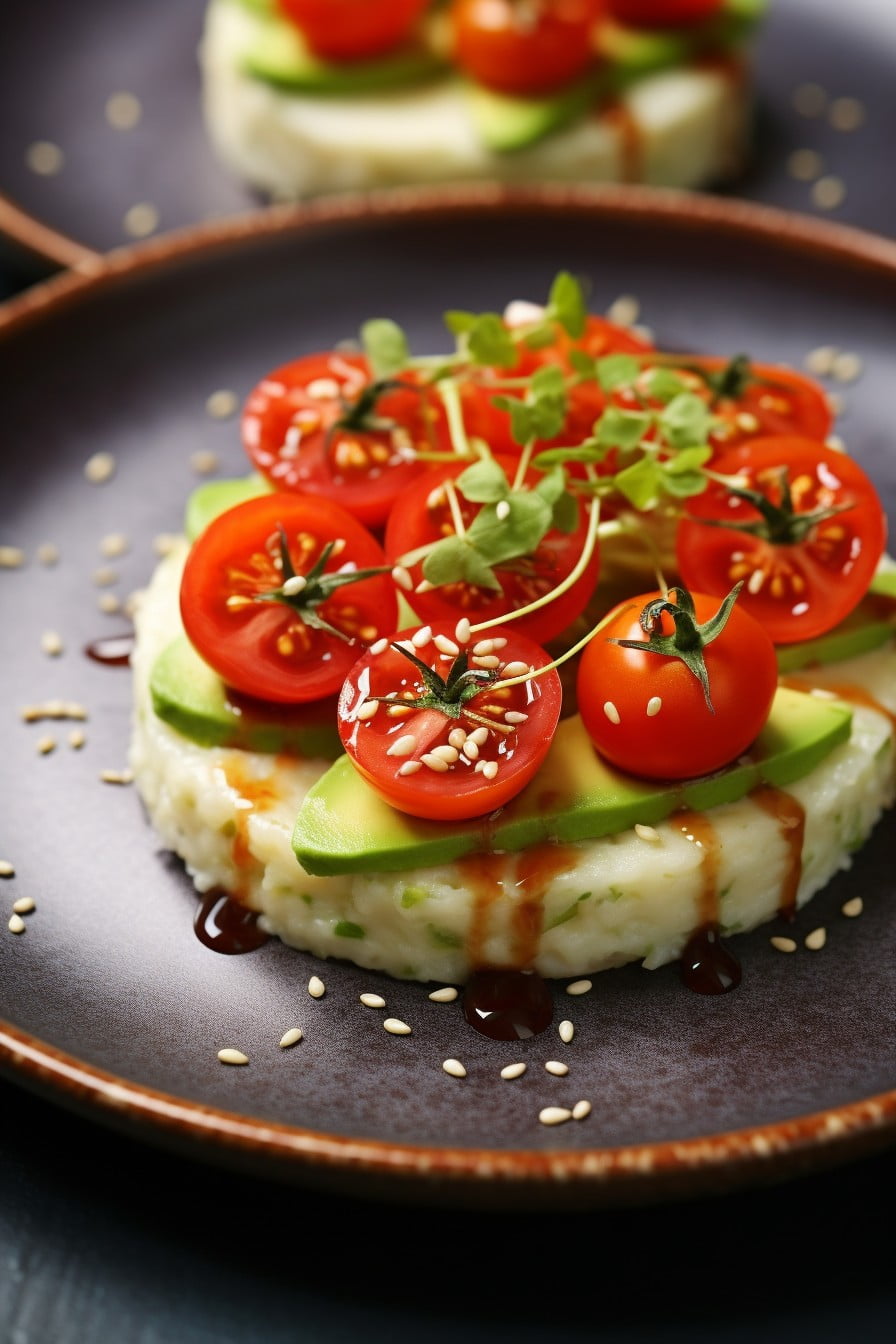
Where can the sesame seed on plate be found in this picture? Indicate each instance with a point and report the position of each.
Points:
(852, 907)
(820, 361)
(221, 404)
(164, 542)
(846, 114)
(554, 1115)
(16, 924)
(782, 944)
(11, 557)
(141, 220)
(445, 995)
(816, 940)
(316, 987)
(51, 643)
(109, 603)
(105, 576)
(44, 158)
(76, 738)
(579, 987)
(805, 165)
(454, 1068)
(624, 311)
(847, 367)
(45, 745)
(123, 111)
(230, 1056)
(396, 1027)
(372, 1000)
(829, 192)
(566, 1031)
(99, 468)
(204, 461)
(25, 905)
(557, 1067)
(511, 1071)
(7, 869)
(48, 554)
(114, 544)
(291, 1037)
(581, 1110)
(117, 776)
(810, 99)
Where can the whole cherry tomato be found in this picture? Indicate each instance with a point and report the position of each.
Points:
(524, 47)
(804, 529)
(650, 711)
(352, 30)
(274, 596)
(322, 426)
(434, 730)
(662, 13)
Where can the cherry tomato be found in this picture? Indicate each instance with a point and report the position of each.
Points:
(263, 641)
(422, 514)
(662, 13)
(646, 712)
(801, 576)
(524, 47)
(454, 744)
(307, 427)
(351, 30)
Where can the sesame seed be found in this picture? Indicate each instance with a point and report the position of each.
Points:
(853, 907)
(579, 987)
(783, 944)
(847, 367)
(113, 545)
(396, 1027)
(756, 580)
(820, 361)
(296, 583)
(402, 746)
(581, 1110)
(11, 557)
(454, 1068)
(805, 165)
(109, 603)
(456, 738)
(6, 868)
(479, 736)
(747, 422)
(76, 738)
(367, 710)
(828, 193)
(117, 776)
(16, 924)
(323, 389)
(123, 111)
(434, 762)
(291, 1037)
(379, 647)
(502, 509)
(372, 1000)
(424, 586)
(164, 543)
(204, 461)
(470, 749)
(624, 311)
(520, 312)
(222, 404)
(489, 661)
(566, 1031)
(611, 711)
(51, 643)
(810, 99)
(816, 940)
(104, 577)
(483, 646)
(48, 554)
(44, 158)
(511, 1071)
(24, 905)
(846, 114)
(410, 767)
(554, 1115)
(646, 832)
(446, 645)
(402, 577)
(654, 705)
(463, 631)
(834, 442)
(446, 995)
(45, 745)
(316, 987)
(229, 1056)
(446, 752)
(489, 768)
(99, 468)
(420, 638)
(517, 668)
(141, 220)
(557, 1067)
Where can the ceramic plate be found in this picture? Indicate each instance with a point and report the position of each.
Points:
(57, 92)
(111, 1003)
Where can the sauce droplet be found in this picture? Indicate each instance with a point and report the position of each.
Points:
(507, 1005)
(226, 926)
(113, 650)
(707, 965)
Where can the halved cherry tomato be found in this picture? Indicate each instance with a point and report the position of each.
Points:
(422, 514)
(462, 749)
(307, 426)
(662, 13)
(647, 713)
(351, 30)
(270, 643)
(524, 47)
(806, 565)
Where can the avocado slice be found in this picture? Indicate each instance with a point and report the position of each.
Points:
(870, 625)
(189, 696)
(212, 498)
(343, 826)
(279, 55)
(504, 123)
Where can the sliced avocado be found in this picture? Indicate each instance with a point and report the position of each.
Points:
(871, 624)
(212, 498)
(504, 123)
(279, 55)
(344, 826)
(193, 700)
(641, 50)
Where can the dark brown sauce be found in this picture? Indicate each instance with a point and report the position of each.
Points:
(707, 965)
(111, 650)
(507, 1004)
(631, 140)
(791, 818)
(225, 925)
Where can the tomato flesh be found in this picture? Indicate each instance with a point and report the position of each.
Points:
(351, 30)
(449, 767)
(646, 713)
(266, 649)
(796, 589)
(291, 433)
(529, 48)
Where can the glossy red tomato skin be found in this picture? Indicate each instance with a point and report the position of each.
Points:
(235, 557)
(285, 428)
(415, 521)
(683, 739)
(501, 45)
(351, 30)
(809, 586)
(462, 791)
(662, 13)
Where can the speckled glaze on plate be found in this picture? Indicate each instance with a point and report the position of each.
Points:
(57, 91)
(109, 1003)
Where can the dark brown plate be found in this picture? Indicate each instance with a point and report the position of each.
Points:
(111, 1004)
(59, 63)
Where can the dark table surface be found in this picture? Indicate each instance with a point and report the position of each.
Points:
(106, 1238)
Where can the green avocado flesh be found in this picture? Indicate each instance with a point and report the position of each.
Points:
(191, 698)
(869, 626)
(212, 498)
(279, 55)
(344, 826)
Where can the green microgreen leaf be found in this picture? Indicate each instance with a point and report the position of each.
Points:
(457, 560)
(385, 346)
(484, 482)
(685, 421)
(485, 337)
(584, 364)
(622, 429)
(615, 371)
(566, 304)
(640, 483)
(541, 413)
(664, 385)
(565, 517)
(503, 539)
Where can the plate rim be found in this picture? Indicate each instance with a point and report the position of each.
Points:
(595, 1177)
